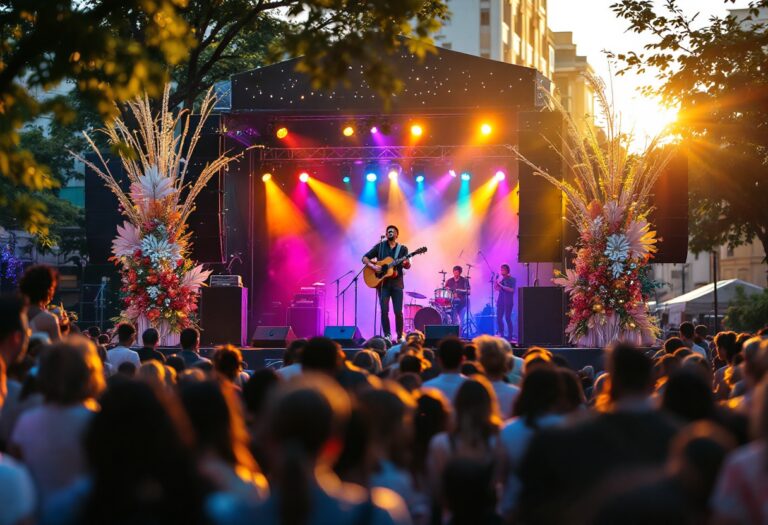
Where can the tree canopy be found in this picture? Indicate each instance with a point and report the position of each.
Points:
(715, 72)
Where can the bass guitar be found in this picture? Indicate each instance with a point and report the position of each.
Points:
(373, 278)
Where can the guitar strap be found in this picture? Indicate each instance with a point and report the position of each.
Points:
(397, 250)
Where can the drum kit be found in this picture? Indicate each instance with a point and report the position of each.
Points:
(439, 311)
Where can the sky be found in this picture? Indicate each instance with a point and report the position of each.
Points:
(596, 28)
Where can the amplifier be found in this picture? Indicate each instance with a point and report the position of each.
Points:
(226, 280)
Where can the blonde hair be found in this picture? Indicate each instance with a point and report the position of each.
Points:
(493, 354)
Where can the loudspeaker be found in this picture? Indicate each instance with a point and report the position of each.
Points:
(223, 316)
(101, 209)
(272, 336)
(486, 324)
(346, 336)
(306, 322)
(542, 318)
(670, 215)
(435, 332)
(541, 204)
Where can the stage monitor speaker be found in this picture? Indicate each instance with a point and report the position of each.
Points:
(670, 215)
(541, 204)
(542, 316)
(306, 322)
(346, 336)
(223, 316)
(433, 333)
(272, 337)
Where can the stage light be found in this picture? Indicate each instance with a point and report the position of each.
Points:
(419, 178)
(452, 173)
(348, 131)
(500, 175)
(370, 177)
(486, 129)
(374, 130)
(392, 174)
(345, 180)
(304, 176)
(266, 177)
(282, 132)
(465, 176)
(416, 130)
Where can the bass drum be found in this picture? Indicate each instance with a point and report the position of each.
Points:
(427, 316)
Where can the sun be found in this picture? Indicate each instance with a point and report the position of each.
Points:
(646, 117)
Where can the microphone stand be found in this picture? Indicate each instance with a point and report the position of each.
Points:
(338, 295)
(353, 281)
(493, 283)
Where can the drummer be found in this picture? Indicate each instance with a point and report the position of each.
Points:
(460, 287)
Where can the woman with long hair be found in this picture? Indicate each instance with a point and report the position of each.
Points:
(38, 285)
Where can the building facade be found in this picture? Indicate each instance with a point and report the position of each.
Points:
(570, 72)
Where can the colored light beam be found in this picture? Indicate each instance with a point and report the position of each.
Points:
(284, 217)
(339, 204)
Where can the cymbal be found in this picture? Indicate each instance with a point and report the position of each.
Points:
(318, 284)
(442, 272)
(416, 295)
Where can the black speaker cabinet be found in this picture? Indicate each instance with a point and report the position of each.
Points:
(223, 315)
(272, 337)
(542, 318)
(435, 332)
(346, 336)
(307, 322)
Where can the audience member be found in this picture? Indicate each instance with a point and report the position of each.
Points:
(292, 358)
(450, 355)
(189, 340)
(150, 339)
(687, 333)
(38, 285)
(228, 364)
(368, 360)
(122, 353)
(493, 353)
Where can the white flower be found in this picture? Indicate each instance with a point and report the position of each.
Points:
(159, 250)
(153, 291)
(617, 247)
(151, 186)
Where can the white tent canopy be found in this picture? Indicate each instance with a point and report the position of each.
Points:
(702, 300)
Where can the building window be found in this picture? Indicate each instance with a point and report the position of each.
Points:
(729, 251)
(519, 21)
(485, 17)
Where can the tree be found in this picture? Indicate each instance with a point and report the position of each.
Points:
(716, 73)
(747, 313)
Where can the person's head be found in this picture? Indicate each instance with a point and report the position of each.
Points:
(216, 416)
(103, 339)
(321, 355)
(536, 357)
(631, 372)
(368, 360)
(14, 330)
(672, 344)
(127, 369)
(126, 334)
(755, 360)
(189, 339)
(140, 439)
(470, 352)
(573, 393)
(150, 337)
(228, 361)
(504, 270)
(457, 271)
(687, 331)
(701, 332)
(450, 353)
(293, 351)
(494, 353)
(257, 389)
(433, 415)
(70, 373)
(176, 362)
(477, 409)
(377, 344)
(541, 393)
(392, 232)
(153, 373)
(688, 396)
(306, 422)
(38, 284)
(411, 364)
(758, 416)
(726, 347)
(411, 381)
(666, 366)
(416, 336)
(94, 332)
(696, 364)
(389, 413)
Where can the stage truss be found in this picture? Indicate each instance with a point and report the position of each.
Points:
(385, 153)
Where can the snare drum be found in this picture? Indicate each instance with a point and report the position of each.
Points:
(443, 297)
(427, 316)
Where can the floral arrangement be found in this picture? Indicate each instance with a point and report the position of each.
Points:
(607, 191)
(160, 282)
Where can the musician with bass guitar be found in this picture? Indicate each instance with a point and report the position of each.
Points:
(391, 288)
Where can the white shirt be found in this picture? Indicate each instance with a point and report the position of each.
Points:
(699, 350)
(50, 440)
(391, 356)
(120, 354)
(289, 371)
(506, 394)
(17, 492)
(448, 383)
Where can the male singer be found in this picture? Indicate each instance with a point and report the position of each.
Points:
(392, 287)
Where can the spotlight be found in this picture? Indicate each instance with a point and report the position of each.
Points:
(282, 132)
(266, 177)
(452, 173)
(304, 176)
(416, 130)
(394, 171)
(500, 175)
(392, 174)
(370, 177)
(465, 176)
(486, 129)
(348, 131)
(345, 180)
(374, 130)
(419, 178)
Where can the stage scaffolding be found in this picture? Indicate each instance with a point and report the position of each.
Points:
(385, 153)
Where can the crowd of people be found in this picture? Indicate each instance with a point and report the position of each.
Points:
(95, 428)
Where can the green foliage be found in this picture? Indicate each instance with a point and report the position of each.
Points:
(714, 71)
(747, 313)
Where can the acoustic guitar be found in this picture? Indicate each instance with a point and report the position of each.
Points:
(373, 279)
